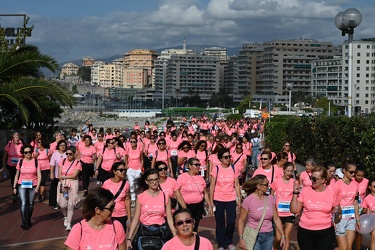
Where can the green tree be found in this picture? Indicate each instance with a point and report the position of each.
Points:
(245, 103)
(22, 83)
(85, 73)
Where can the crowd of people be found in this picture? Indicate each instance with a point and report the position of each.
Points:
(154, 187)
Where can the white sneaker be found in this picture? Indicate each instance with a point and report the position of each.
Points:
(65, 221)
(68, 227)
(98, 183)
(231, 247)
(221, 248)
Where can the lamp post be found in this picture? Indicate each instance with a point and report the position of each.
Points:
(289, 86)
(346, 22)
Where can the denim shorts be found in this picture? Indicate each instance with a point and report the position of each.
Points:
(343, 225)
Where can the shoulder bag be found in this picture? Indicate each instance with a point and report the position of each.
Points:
(250, 234)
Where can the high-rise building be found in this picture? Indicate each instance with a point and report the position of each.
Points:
(216, 51)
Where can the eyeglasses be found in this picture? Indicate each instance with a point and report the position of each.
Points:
(153, 180)
(350, 172)
(264, 159)
(69, 153)
(111, 208)
(226, 157)
(287, 145)
(121, 169)
(99, 136)
(265, 184)
(197, 165)
(314, 179)
(152, 138)
(133, 141)
(26, 152)
(163, 169)
(203, 146)
(62, 145)
(181, 222)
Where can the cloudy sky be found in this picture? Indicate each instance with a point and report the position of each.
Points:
(69, 30)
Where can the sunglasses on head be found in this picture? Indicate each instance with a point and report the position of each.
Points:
(181, 222)
(163, 169)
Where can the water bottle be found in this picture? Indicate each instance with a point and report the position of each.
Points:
(66, 195)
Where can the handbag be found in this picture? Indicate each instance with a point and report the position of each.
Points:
(250, 234)
(150, 242)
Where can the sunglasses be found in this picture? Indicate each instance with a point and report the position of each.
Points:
(152, 138)
(238, 148)
(185, 147)
(314, 179)
(26, 152)
(264, 159)
(39, 142)
(350, 172)
(163, 169)
(181, 222)
(226, 157)
(112, 143)
(121, 169)
(266, 185)
(197, 165)
(111, 208)
(133, 142)
(69, 153)
(161, 143)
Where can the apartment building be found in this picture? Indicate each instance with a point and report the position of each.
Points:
(330, 78)
(87, 61)
(221, 53)
(107, 75)
(69, 69)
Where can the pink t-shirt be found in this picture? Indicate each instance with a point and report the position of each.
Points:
(152, 208)
(284, 194)
(346, 193)
(362, 188)
(305, 178)
(43, 159)
(162, 156)
(87, 153)
(169, 186)
(55, 160)
(14, 153)
(109, 157)
(246, 148)
(150, 149)
(175, 243)
(331, 183)
(317, 207)
(214, 160)
(120, 207)
(255, 207)
(224, 187)
(240, 158)
(53, 146)
(202, 157)
(268, 173)
(66, 169)
(134, 158)
(99, 145)
(28, 171)
(191, 187)
(189, 154)
(369, 202)
(83, 236)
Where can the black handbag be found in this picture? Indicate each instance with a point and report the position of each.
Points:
(150, 242)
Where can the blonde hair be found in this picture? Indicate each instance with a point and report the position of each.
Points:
(251, 185)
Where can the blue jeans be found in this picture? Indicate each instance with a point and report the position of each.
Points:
(224, 231)
(254, 158)
(264, 241)
(27, 196)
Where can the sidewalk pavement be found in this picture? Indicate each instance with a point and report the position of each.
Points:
(48, 231)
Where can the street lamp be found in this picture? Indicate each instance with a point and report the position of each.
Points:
(289, 86)
(346, 22)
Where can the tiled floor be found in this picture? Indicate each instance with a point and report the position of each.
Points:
(48, 231)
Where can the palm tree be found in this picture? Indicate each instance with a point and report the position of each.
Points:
(21, 80)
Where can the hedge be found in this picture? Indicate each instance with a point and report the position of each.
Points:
(339, 139)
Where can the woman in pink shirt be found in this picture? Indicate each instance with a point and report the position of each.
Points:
(87, 156)
(186, 239)
(97, 229)
(12, 154)
(162, 155)
(27, 178)
(169, 185)
(362, 182)
(369, 207)
(239, 159)
(202, 155)
(225, 195)
(193, 190)
(317, 204)
(252, 210)
(105, 160)
(291, 155)
(120, 188)
(346, 190)
(54, 172)
(331, 168)
(67, 189)
(173, 149)
(184, 153)
(134, 163)
(305, 176)
(43, 155)
(282, 188)
(151, 207)
(266, 168)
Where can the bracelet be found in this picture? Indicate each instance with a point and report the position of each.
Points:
(295, 192)
(357, 221)
(283, 236)
(129, 239)
(241, 237)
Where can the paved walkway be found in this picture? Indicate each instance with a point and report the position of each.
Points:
(48, 231)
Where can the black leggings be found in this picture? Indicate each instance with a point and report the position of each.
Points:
(316, 239)
(197, 212)
(45, 174)
(104, 175)
(87, 172)
(12, 173)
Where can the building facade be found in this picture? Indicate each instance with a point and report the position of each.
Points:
(69, 69)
